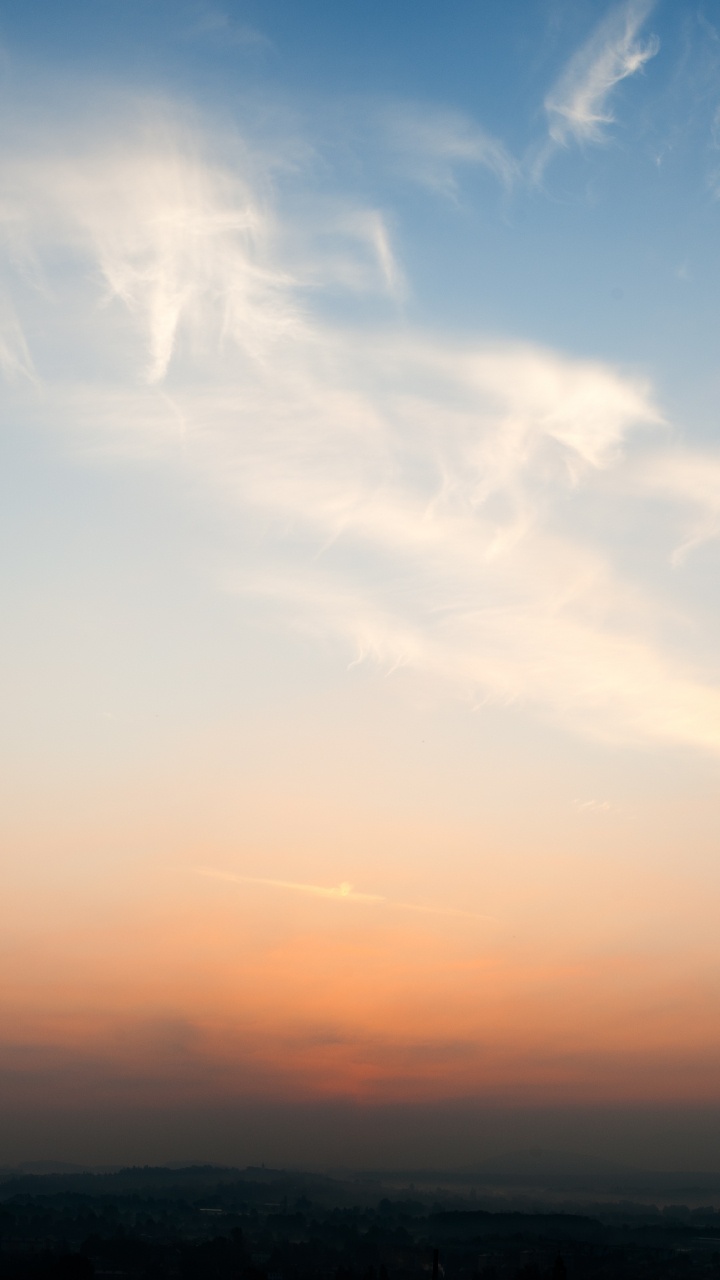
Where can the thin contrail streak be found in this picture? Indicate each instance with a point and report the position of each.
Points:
(344, 892)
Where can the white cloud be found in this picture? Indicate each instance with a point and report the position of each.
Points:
(414, 490)
(578, 104)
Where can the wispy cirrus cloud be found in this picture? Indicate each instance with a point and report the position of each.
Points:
(578, 105)
(691, 480)
(417, 492)
(213, 22)
(15, 359)
(430, 144)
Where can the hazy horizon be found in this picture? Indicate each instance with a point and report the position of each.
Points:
(451, 1139)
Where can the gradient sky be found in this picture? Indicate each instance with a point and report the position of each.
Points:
(360, 498)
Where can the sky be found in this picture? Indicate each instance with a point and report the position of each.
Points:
(360, 511)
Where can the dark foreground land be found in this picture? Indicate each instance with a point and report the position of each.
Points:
(204, 1223)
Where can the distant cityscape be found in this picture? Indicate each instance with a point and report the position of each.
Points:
(208, 1223)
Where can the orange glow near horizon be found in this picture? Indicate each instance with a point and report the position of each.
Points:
(194, 987)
